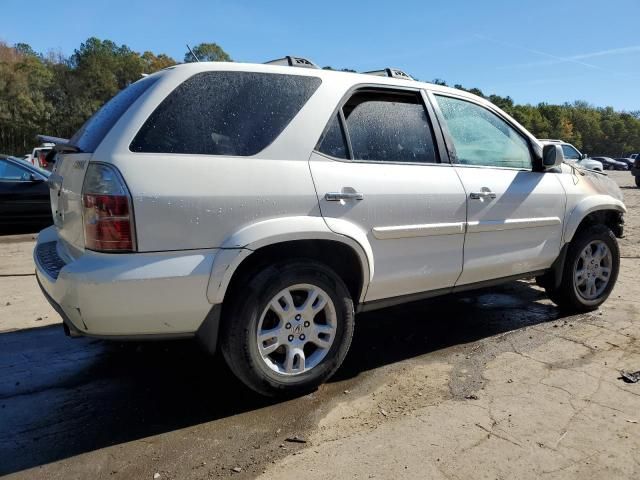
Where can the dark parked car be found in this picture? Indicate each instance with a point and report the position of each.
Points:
(24, 194)
(628, 161)
(635, 171)
(609, 163)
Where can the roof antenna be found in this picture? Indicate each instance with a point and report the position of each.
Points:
(193, 54)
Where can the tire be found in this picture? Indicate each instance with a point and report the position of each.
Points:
(637, 181)
(575, 295)
(298, 364)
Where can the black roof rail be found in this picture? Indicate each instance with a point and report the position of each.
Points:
(390, 72)
(292, 61)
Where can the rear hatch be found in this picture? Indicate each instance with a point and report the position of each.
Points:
(73, 159)
(65, 185)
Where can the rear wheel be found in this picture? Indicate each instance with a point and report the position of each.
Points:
(590, 270)
(637, 181)
(288, 328)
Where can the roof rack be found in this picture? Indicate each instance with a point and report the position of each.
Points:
(291, 61)
(390, 72)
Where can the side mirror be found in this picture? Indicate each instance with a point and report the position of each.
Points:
(552, 156)
(583, 156)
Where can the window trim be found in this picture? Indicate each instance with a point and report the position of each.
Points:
(451, 149)
(442, 157)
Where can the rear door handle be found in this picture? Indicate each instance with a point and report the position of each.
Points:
(337, 196)
(485, 193)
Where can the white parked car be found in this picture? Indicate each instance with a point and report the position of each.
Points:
(573, 156)
(259, 207)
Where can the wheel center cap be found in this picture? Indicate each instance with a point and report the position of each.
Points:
(297, 329)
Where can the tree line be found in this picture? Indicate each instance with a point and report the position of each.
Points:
(53, 95)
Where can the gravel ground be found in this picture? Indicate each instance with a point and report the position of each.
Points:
(491, 384)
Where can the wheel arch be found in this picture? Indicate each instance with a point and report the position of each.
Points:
(592, 210)
(276, 239)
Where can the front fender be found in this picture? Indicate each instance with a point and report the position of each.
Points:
(588, 205)
(244, 242)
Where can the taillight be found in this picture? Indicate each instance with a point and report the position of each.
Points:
(106, 210)
(42, 157)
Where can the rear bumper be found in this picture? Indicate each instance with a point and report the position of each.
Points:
(125, 295)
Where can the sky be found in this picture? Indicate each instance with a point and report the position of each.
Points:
(534, 51)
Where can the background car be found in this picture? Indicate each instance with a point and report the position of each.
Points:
(635, 171)
(628, 161)
(24, 194)
(573, 156)
(609, 163)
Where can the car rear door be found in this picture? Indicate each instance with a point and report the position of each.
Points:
(515, 214)
(377, 169)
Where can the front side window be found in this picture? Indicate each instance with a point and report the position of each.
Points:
(480, 137)
(570, 153)
(225, 113)
(13, 173)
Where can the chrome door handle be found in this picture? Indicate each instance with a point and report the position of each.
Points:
(337, 196)
(482, 195)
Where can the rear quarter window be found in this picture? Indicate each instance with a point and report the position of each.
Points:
(225, 113)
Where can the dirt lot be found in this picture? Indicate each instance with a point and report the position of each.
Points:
(492, 384)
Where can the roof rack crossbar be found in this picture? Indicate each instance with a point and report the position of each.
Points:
(292, 61)
(390, 72)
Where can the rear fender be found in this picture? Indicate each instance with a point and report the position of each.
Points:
(243, 243)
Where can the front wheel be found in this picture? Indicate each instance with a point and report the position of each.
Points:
(590, 270)
(288, 328)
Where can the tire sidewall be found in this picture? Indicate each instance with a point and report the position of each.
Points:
(260, 291)
(595, 233)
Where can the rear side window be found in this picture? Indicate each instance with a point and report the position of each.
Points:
(334, 142)
(225, 113)
(96, 128)
(382, 126)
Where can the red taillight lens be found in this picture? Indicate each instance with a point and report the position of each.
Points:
(108, 220)
(107, 223)
(43, 159)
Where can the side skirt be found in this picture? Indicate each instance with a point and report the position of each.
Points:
(415, 297)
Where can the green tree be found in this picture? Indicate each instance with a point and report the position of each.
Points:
(208, 52)
(153, 63)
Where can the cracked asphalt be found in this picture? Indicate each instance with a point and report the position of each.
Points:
(489, 384)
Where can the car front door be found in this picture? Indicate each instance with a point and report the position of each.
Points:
(377, 169)
(23, 198)
(514, 214)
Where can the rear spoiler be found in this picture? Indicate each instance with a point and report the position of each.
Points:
(61, 144)
(50, 139)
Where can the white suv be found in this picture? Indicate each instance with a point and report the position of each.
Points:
(259, 207)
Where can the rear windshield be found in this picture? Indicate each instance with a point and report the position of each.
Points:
(225, 113)
(96, 128)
